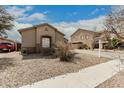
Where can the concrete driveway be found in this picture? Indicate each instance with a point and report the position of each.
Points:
(104, 53)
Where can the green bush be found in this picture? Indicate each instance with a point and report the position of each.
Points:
(112, 44)
(115, 42)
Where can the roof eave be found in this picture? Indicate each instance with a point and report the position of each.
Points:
(20, 30)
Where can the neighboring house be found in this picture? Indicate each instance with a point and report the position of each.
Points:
(6, 40)
(84, 37)
(39, 37)
(65, 40)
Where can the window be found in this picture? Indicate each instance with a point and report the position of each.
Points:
(87, 37)
(82, 37)
(46, 42)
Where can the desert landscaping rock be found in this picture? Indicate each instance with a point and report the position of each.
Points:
(117, 81)
(33, 68)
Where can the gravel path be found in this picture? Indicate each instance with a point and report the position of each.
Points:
(16, 71)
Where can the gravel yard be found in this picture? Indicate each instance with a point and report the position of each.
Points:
(116, 81)
(16, 70)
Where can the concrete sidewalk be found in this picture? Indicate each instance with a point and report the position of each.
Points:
(89, 77)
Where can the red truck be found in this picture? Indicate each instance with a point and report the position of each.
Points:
(4, 46)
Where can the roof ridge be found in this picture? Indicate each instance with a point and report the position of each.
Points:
(80, 29)
(40, 25)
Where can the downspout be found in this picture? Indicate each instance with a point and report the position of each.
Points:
(55, 40)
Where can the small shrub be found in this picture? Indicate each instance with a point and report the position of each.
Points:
(48, 51)
(80, 47)
(24, 51)
(108, 46)
(85, 46)
(65, 54)
(115, 42)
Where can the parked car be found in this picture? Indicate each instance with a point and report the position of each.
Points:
(6, 47)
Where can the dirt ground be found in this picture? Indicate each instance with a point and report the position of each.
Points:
(17, 70)
(117, 81)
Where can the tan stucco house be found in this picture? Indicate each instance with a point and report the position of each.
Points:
(84, 37)
(39, 37)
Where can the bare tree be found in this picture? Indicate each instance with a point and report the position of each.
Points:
(115, 22)
(5, 21)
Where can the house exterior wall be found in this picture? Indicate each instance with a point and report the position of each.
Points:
(32, 38)
(84, 36)
(59, 39)
(28, 38)
(44, 31)
(41, 32)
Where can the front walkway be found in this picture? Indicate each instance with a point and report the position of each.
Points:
(89, 77)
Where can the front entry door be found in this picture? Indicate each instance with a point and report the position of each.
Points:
(45, 42)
